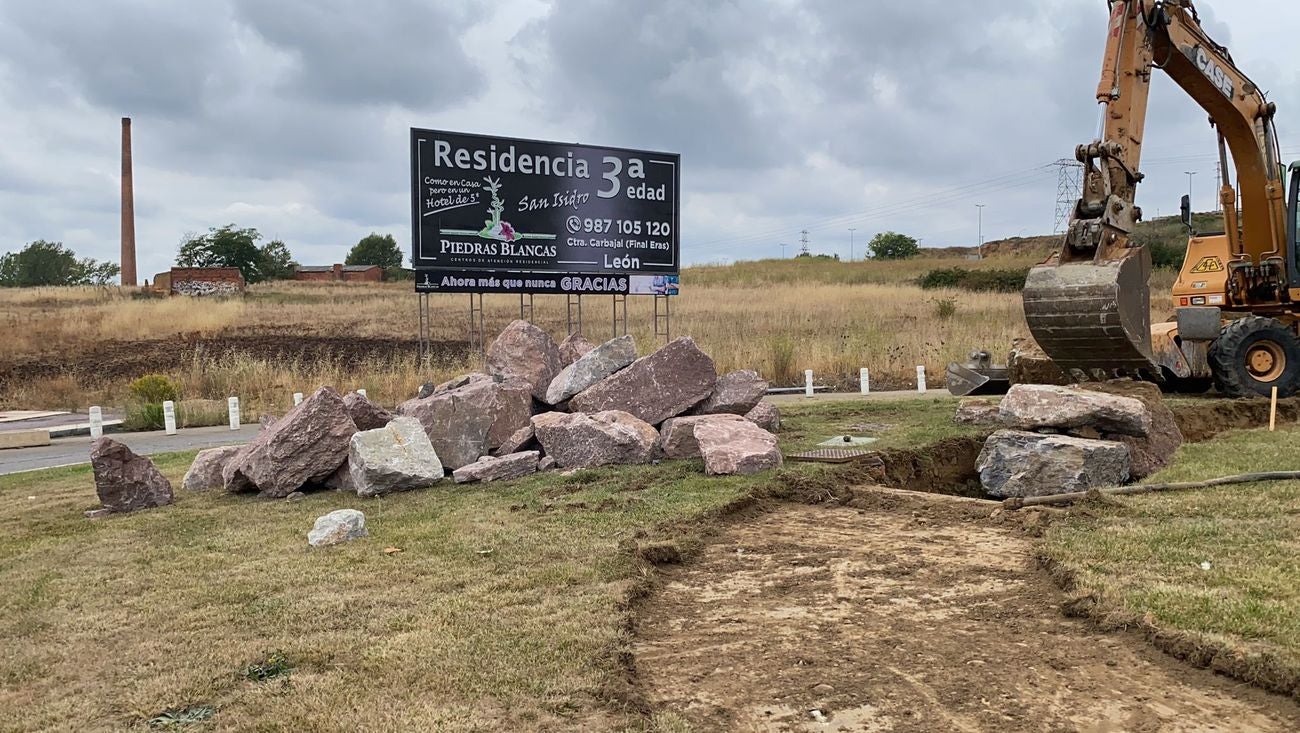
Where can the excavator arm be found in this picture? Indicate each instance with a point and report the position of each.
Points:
(1089, 305)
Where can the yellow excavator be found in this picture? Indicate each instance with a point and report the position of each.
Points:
(1237, 298)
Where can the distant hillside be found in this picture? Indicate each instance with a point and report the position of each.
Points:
(1166, 236)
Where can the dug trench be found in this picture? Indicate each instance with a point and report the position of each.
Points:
(883, 596)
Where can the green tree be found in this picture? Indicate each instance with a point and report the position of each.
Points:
(376, 249)
(226, 246)
(277, 262)
(50, 263)
(893, 246)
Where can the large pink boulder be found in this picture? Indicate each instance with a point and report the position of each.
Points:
(304, 447)
(579, 440)
(736, 447)
(526, 353)
(125, 481)
(677, 435)
(366, 414)
(736, 393)
(654, 388)
(573, 347)
(466, 423)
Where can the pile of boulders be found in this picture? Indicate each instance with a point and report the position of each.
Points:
(1058, 440)
(540, 406)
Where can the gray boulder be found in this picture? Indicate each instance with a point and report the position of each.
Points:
(504, 468)
(526, 353)
(125, 481)
(590, 368)
(734, 393)
(366, 414)
(654, 388)
(463, 423)
(1021, 464)
(572, 347)
(765, 415)
(205, 471)
(338, 526)
(579, 440)
(1033, 406)
(396, 457)
(677, 435)
(736, 447)
(303, 447)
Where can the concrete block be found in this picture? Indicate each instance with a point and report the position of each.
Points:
(24, 438)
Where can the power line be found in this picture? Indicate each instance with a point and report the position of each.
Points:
(1069, 189)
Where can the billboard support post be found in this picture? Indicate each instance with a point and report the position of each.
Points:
(663, 319)
(477, 331)
(526, 307)
(620, 315)
(574, 308)
(426, 328)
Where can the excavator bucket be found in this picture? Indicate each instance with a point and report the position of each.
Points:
(1094, 316)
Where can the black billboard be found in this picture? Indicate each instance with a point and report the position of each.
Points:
(489, 206)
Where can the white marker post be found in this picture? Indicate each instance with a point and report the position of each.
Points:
(169, 417)
(297, 398)
(96, 423)
(807, 383)
(233, 403)
(362, 392)
(864, 380)
(920, 379)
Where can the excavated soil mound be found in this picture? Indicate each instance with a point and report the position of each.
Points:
(116, 360)
(906, 614)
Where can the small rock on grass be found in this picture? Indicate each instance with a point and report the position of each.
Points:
(343, 525)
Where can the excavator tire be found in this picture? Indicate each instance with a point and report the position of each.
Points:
(1253, 355)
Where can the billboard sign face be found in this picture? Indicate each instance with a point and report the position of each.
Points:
(549, 283)
(490, 207)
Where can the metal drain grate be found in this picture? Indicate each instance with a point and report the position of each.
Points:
(830, 455)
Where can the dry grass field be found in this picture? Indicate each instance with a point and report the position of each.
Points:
(70, 347)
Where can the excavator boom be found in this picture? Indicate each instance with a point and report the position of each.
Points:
(1089, 305)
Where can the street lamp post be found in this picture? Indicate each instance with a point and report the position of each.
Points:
(979, 247)
(1189, 184)
(851, 231)
(783, 246)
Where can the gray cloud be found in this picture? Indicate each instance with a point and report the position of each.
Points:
(291, 116)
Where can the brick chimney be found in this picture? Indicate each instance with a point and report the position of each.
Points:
(338, 272)
(128, 209)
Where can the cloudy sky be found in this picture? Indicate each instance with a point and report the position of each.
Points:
(291, 116)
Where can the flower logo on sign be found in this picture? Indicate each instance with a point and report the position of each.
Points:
(494, 227)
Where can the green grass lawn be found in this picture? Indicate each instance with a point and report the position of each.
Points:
(504, 610)
(1212, 574)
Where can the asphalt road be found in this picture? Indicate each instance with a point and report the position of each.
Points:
(76, 450)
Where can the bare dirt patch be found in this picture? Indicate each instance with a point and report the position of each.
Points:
(905, 614)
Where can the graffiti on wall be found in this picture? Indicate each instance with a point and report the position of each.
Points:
(205, 288)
